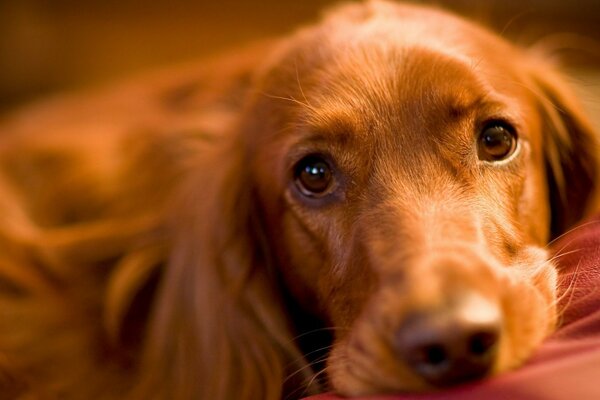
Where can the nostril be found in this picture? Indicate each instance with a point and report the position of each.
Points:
(427, 357)
(422, 343)
(481, 344)
(429, 360)
(434, 355)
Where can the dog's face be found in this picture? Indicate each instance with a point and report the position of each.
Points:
(399, 155)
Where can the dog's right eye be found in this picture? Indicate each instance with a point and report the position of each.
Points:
(497, 141)
(313, 176)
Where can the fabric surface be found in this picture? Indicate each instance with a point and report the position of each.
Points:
(567, 366)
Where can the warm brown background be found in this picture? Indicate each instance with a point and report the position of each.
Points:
(53, 45)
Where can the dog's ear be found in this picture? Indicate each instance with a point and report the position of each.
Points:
(571, 150)
(219, 330)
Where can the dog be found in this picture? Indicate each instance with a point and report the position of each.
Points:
(363, 206)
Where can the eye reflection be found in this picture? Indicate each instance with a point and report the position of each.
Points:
(313, 176)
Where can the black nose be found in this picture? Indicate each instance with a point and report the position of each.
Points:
(451, 346)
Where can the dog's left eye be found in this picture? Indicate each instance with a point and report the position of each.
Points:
(313, 176)
(497, 141)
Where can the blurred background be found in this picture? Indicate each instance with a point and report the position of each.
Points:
(48, 46)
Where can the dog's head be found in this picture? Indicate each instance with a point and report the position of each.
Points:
(395, 175)
(410, 169)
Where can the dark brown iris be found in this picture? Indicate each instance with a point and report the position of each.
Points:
(496, 142)
(313, 176)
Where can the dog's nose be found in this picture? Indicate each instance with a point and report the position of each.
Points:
(454, 345)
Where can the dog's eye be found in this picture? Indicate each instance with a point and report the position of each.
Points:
(313, 176)
(497, 141)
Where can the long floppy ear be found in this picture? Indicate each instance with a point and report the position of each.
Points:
(219, 329)
(571, 151)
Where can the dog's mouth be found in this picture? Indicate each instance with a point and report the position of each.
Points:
(467, 337)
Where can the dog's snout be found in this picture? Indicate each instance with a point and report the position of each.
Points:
(452, 345)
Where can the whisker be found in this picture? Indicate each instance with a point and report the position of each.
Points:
(329, 328)
(304, 368)
(515, 18)
(566, 253)
(300, 86)
(303, 357)
(324, 348)
(570, 290)
(317, 375)
(291, 100)
(306, 387)
(572, 230)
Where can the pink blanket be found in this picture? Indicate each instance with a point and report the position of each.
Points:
(567, 366)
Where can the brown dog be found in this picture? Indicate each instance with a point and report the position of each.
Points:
(366, 201)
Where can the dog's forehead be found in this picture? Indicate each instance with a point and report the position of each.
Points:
(404, 69)
(416, 88)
